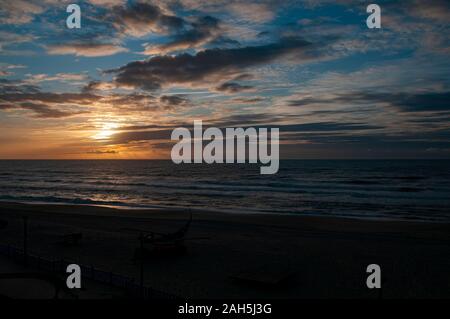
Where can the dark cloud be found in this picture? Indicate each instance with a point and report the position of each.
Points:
(263, 34)
(204, 66)
(307, 101)
(262, 120)
(174, 101)
(47, 97)
(16, 86)
(326, 127)
(160, 132)
(103, 152)
(146, 102)
(17, 95)
(19, 12)
(412, 102)
(127, 137)
(441, 119)
(222, 42)
(245, 120)
(134, 98)
(377, 141)
(92, 86)
(249, 100)
(40, 110)
(201, 31)
(422, 101)
(149, 127)
(140, 18)
(233, 87)
(21, 91)
(437, 10)
(20, 96)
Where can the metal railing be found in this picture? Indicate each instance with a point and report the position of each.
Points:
(59, 266)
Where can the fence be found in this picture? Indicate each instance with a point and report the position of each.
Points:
(59, 266)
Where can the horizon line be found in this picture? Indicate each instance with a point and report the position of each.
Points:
(166, 159)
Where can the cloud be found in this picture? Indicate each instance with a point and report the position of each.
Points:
(250, 100)
(85, 49)
(255, 12)
(11, 38)
(182, 33)
(139, 19)
(107, 3)
(19, 11)
(134, 136)
(438, 10)
(319, 127)
(259, 11)
(419, 102)
(40, 110)
(16, 86)
(99, 152)
(206, 66)
(62, 77)
(8, 66)
(174, 100)
(19, 95)
(200, 32)
(129, 103)
(25, 95)
(233, 87)
(48, 97)
(408, 102)
(326, 127)
(5, 67)
(98, 86)
(55, 108)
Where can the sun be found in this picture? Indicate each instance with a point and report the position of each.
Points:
(107, 130)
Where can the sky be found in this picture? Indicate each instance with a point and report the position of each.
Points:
(116, 87)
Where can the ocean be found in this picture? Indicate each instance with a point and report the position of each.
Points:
(370, 189)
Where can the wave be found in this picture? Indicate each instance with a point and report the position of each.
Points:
(368, 189)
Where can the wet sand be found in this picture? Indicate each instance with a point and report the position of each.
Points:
(320, 257)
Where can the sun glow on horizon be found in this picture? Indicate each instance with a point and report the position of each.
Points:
(107, 130)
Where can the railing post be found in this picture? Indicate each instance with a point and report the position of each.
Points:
(25, 240)
(141, 258)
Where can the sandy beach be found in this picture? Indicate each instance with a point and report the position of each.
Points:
(319, 257)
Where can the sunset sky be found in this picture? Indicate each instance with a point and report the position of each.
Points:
(135, 70)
